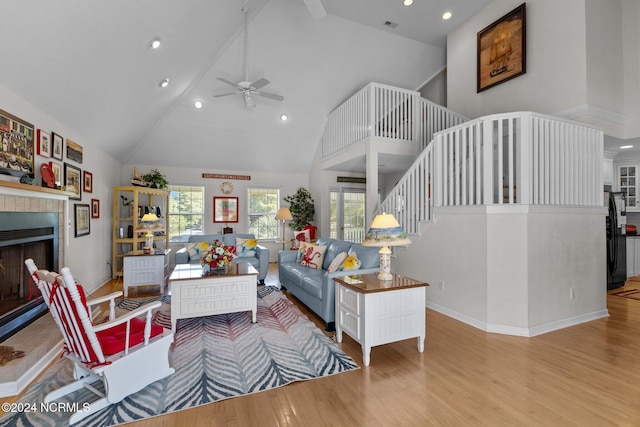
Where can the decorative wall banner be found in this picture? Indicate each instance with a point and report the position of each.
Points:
(223, 176)
(352, 179)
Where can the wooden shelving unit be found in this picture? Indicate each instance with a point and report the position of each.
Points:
(128, 216)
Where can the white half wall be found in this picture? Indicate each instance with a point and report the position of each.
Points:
(515, 270)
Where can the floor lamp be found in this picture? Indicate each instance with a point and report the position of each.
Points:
(284, 214)
(385, 231)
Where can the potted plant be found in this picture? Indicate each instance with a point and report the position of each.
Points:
(301, 207)
(155, 179)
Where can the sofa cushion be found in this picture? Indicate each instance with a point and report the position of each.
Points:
(246, 247)
(368, 255)
(313, 256)
(337, 262)
(312, 282)
(333, 249)
(351, 262)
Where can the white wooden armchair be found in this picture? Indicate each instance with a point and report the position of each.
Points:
(126, 353)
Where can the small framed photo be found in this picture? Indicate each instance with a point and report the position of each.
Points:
(95, 208)
(44, 143)
(73, 181)
(57, 172)
(225, 209)
(57, 144)
(82, 223)
(87, 182)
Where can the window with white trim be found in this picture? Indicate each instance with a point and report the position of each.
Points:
(186, 212)
(262, 205)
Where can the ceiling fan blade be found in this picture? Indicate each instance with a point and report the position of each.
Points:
(271, 96)
(260, 83)
(316, 9)
(226, 94)
(227, 81)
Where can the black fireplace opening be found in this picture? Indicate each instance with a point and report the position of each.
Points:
(24, 235)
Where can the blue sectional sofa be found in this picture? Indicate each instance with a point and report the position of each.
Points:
(316, 288)
(260, 261)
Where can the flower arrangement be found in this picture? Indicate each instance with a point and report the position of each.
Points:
(218, 255)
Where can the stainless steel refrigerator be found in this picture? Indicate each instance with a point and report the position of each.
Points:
(616, 239)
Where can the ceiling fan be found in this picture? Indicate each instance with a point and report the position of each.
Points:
(245, 87)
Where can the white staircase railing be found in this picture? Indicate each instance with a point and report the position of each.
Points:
(518, 158)
(386, 113)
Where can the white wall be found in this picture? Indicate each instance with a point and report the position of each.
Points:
(631, 52)
(87, 255)
(287, 183)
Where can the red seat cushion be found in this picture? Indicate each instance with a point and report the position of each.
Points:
(112, 340)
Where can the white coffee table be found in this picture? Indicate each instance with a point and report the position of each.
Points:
(195, 293)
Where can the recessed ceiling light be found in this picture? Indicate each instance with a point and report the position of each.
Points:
(198, 104)
(447, 15)
(154, 43)
(624, 147)
(164, 83)
(284, 117)
(407, 2)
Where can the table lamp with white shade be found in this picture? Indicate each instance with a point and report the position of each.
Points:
(149, 224)
(385, 231)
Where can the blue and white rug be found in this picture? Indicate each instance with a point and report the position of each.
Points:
(215, 358)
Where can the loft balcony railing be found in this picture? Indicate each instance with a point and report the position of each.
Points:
(387, 114)
(519, 158)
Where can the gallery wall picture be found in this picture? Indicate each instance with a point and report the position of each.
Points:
(74, 151)
(502, 49)
(56, 168)
(87, 182)
(57, 146)
(73, 181)
(225, 209)
(95, 208)
(82, 222)
(44, 143)
(16, 145)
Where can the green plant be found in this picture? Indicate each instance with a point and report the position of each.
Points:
(156, 179)
(301, 207)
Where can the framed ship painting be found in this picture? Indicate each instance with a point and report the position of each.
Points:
(502, 49)
(16, 147)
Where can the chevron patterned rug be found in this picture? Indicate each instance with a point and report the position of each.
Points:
(215, 358)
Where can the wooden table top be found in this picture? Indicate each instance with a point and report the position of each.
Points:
(196, 271)
(368, 283)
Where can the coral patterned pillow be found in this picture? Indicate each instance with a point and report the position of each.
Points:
(313, 256)
(300, 236)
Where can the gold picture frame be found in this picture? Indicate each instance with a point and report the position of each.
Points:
(502, 49)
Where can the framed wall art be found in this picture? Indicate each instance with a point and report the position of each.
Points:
(74, 151)
(82, 223)
(44, 143)
(95, 208)
(57, 144)
(57, 172)
(225, 209)
(73, 181)
(16, 145)
(502, 49)
(87, 182)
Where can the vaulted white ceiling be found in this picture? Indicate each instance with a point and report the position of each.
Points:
(87, 64)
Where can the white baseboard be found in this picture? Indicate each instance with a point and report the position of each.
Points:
(518, 331)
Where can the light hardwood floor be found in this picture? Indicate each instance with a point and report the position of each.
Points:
(586, 375)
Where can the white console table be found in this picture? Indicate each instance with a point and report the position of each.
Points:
(375, 312)
(142, 269)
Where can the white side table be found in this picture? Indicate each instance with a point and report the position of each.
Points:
(142, 269)
(375, 312)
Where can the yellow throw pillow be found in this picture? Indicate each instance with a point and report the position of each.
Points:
(351, 263)
(246, 247)
(195, 250)
(337, 262)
